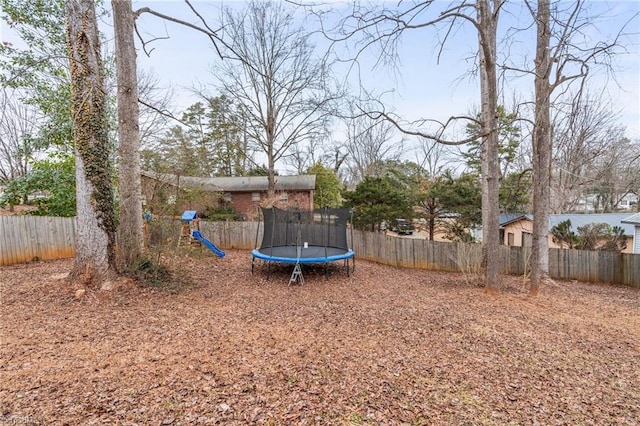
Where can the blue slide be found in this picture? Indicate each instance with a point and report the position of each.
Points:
(198, 236)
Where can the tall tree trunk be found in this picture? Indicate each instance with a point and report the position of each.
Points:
(96, 223)
(432, 226)
(130, 236)
(270, 137)
(271, 180)
(487, 20)
(541, 152)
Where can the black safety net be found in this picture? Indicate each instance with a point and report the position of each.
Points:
(325, 227)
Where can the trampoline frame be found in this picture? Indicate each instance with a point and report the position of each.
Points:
(298, 254)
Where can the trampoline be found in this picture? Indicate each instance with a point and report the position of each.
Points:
(304, 237)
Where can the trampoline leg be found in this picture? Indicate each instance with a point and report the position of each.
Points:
(253, 260)
(347, 260)
(296, 275)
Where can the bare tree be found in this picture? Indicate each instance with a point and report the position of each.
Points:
(130, 237)
(330, 153)
(303, 156)
(433, 157)
(487, 23)
(130, 230)
(382, 28)
(541, 149)
(369, 143)
(562, 58)
(17, 123)
(96, 222)
(279, 86)
(155, 108)
(617, 173)
(586, 132)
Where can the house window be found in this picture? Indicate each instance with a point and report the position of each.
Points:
(255, 196)
(510, 238)
(227, 197)
(284, 197)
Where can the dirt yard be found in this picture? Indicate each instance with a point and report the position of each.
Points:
(385, 346)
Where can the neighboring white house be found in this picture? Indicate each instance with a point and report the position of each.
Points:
(635, 221)
(589, 202)
(629, 202)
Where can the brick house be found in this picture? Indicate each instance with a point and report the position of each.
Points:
(244, 193)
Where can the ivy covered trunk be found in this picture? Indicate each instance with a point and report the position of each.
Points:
(96, 224)
(130, 237)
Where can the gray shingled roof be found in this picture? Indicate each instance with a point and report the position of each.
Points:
(612, 219)
(633, 220)
(506, 218)
(239, 184)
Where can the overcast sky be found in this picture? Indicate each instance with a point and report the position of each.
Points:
(419, 86)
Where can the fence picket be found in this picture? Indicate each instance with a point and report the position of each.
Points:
(28, 238)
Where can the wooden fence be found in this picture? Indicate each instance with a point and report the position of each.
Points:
(29, 238)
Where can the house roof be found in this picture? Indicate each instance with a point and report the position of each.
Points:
(612, 219)
(240, 183)
(507, 218)
(633, 220)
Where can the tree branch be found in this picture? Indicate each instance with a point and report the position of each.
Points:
(212, 35)
(164, 113)
(376, 115)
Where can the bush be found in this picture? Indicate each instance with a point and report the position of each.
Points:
(468, 259)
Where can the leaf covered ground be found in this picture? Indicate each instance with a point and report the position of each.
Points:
(385, 346)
